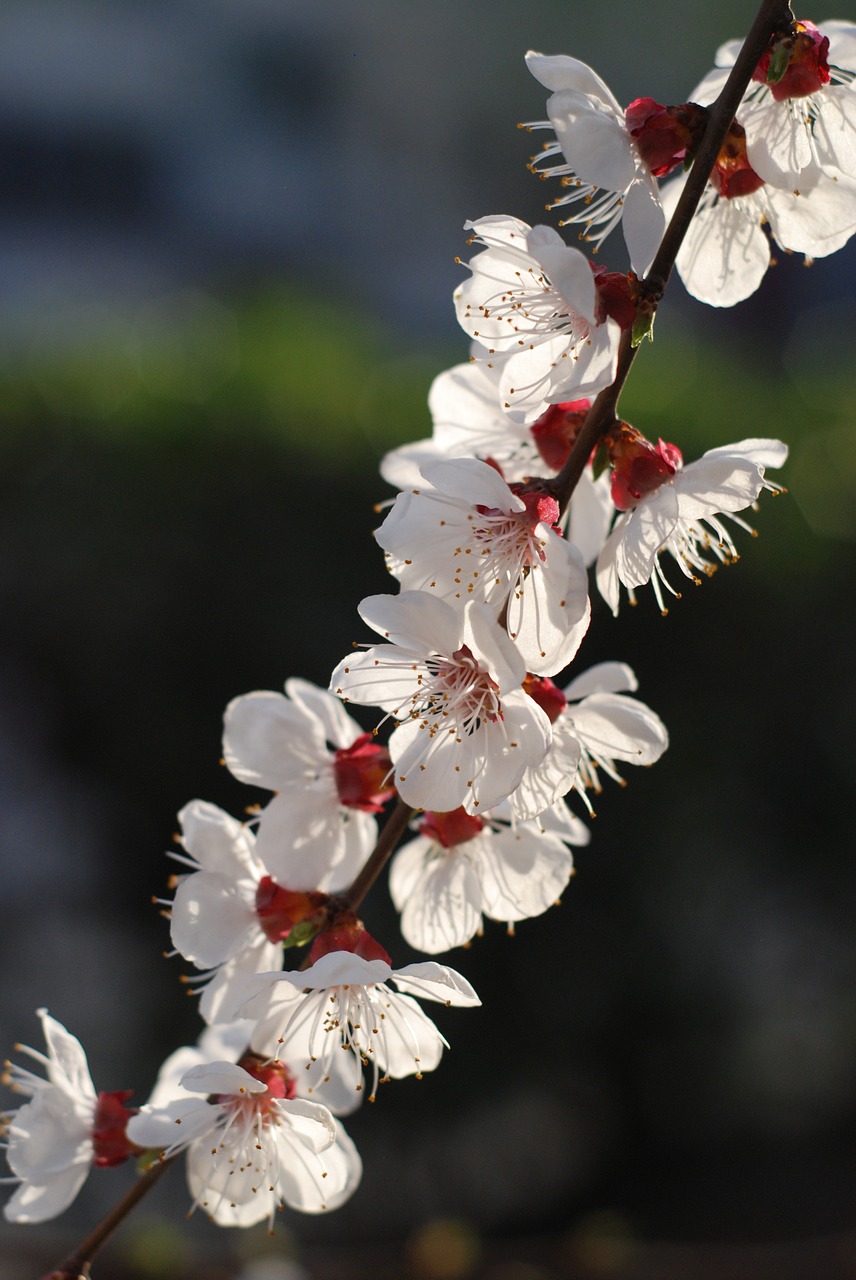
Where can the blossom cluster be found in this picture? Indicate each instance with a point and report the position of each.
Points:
(492, 725)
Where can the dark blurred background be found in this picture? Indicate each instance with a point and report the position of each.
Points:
(227, 241)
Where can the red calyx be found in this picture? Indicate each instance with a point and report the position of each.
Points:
(110, 1142)
(275, 1075)
(555, 432)
(639, 467)
(616, 296)
(348, 934)
(279, 910)
(451, 828)
(733, 175)
(795, 65)
(548, 695)
(541, 507)
(665, 136)
(361, 771)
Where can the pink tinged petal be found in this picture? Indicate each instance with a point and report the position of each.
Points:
(725, 254)
(217, 841)
(643, 222)
(211, 919)
(525, 873)
(270, 742)
(67, 1066)
(616, 727)
(558, 71)
(443, 906)
(308, 841)
(716, 482)
(339, 729)
(38, 1202)
(650, 526)
(605, 677)
(544, 784)
(432, 981)
(594, 140)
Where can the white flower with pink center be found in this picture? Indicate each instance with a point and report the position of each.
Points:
(670, 508)
(318, 830)
(342, 1009)
(532, 302)
(53, 1140)
(595, 724)
(799, 111)
(602, 168)
(452, 679)
(462, 867)
(469, 422)
(229, 917)
(252, 1144)
(465, 535)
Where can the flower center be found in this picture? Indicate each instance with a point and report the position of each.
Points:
(279, 910)
(460, 689)
(452, 828)
(795, 65)
(639, 467)
(111, 1146)
(556, 430)
(361, 771)
(733, 175)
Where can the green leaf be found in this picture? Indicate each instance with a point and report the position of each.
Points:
(643, 327)
(301, 934)
(600, 461)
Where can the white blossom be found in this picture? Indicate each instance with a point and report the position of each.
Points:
(463, 534)
(601, 169)
(252, 1144)
(342, 1010)
(532, 300)
(315, 833)
(681, 517)
(466, 732)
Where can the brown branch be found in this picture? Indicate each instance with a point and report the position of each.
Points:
(77, 1264)
(773, 16)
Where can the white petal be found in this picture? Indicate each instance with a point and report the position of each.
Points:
(339, 729)
(432, 981)
(270, 742)
(217, 841)
(605, 677)
(37, 1202)
(558, 71)
(527, 871)
(438, 895)
(650, 526)
(594, 141)
(617, 727)
(642, 221)
(220, 1077)
(725, 253)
